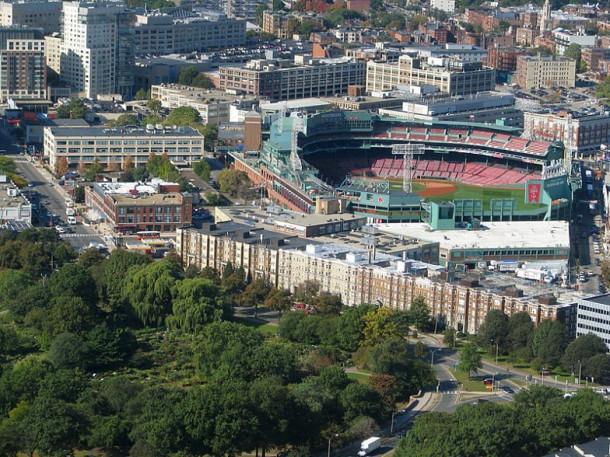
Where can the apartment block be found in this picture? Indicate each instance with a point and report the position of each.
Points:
(22, 63)
(359, 275)
(214, 106)
(157, 33)
(582, 133)
(534, 72)
(97, 55)
(280, 79)
(591, 56)
(52, 52)
(447, 6)
(505, 59)
(131, 207)
(526, 35)
(42, 14)
(447, 75)
(112, 147)
(564, 38)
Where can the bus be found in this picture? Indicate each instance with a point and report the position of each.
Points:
(148, 234)
(139, 247)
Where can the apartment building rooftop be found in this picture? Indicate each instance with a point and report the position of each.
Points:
(207, 96)
(128, 131)
(520, 234)
(525, 290)
(133, 188)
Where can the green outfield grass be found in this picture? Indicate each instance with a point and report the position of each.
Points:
(467, 191)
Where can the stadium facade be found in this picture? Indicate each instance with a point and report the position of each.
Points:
(343, 160)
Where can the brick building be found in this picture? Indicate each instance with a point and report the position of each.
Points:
(505, 59)
(132, 207)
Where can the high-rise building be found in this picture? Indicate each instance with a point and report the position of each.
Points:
(97, 54)
(22, 63)
(32, 13)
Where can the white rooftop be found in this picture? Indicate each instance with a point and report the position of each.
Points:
(295, 104)
(493, 235)
(126, 188)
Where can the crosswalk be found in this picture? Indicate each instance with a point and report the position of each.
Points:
(80, 235)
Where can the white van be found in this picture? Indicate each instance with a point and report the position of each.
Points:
(71, 220)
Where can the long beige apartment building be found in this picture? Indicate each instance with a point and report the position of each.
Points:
(360, 275)
(112, 147)
(452, 76)
(534, 72)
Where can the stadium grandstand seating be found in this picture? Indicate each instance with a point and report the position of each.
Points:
(472, 172)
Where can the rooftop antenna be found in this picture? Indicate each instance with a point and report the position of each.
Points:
(407, 151)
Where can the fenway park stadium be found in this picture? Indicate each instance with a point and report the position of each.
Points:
(390, 170)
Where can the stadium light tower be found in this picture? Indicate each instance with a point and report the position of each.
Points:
(281, 115)
(295, 160)
(407, 151)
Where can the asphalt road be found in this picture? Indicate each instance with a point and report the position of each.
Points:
(52, 200)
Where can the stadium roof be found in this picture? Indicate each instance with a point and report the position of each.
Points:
(493, 235)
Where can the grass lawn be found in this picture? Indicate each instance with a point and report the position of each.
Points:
(466, 191)
(269, 329)
(469, 385)
(360, 377)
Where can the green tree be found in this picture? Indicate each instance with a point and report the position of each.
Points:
(212, 198)
(210, 133)
(603, 91)
(419, 313)
(470, 359)
(148, 289)
(420, 350)
(141, 94)
(254, 294)
(549, 342)
(573, 51)
(90, 258)
(581, 349)
(278, 300)
(184, 115)
(328, 304)
(494, 331)
(235, 183)
(126, 119)
(360, 400)
(12, 284)
(154, 104)
(93, 170)
(202, 169)
(72, 280)
(108, 347)
(67, 351)
(449, 336)
(196, 303)
(54, 426)
(7, 165)
(350, 331)
(152, 119)
(382, 324)
(115, 271)
(520, 332)
(71, 314)
(74, 109)
(187, 74)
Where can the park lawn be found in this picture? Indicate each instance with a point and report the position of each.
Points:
(467, 192)
(266, 328)
(360, 377)
(469, 385)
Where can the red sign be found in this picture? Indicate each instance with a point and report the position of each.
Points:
(533, 193)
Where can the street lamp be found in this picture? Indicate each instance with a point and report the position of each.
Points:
(432, 356)
(336, 435)
(579, 371)
(392, 425)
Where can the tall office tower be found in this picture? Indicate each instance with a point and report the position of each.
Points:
(97, 51)
(44, 14)
(22, 63)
